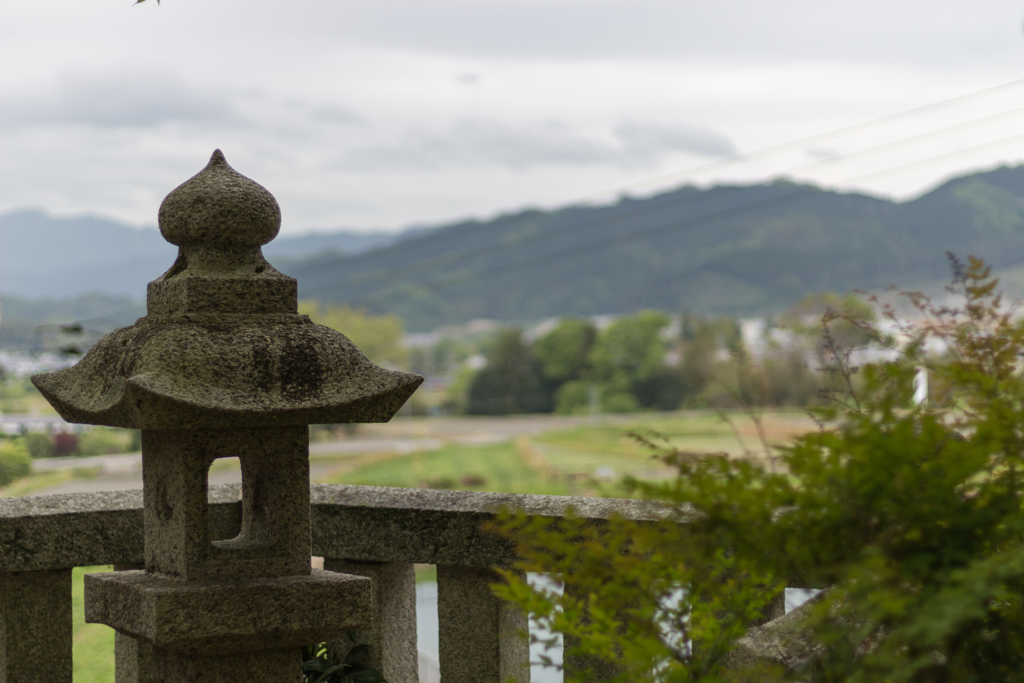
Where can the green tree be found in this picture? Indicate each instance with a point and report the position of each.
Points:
(848, 317)
(511, 382)
(700, 344)
(564, 352)
(15, 461)
(378, 337)
(628, 359)
(909, 515)
(39, 444)
(631, 346)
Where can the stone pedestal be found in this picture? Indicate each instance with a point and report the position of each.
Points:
(255, 594)
(480, 635)
(197, 622)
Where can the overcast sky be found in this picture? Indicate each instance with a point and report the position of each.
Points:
(381, 114)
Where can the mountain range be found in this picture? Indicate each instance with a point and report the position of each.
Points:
(739, 250)
(728, 249)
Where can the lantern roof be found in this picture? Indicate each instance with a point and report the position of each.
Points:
(222, 344)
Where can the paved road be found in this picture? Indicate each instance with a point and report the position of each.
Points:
(401, 435)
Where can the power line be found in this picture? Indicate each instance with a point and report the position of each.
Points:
(452, 233)
(912, 140)
(696, 222)
(448, 257)
(586, 224)
(836, 132)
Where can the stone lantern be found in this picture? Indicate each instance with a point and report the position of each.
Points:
(222, 365)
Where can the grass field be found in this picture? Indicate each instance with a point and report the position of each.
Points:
(93, 643)
(492, 467)
(586, 459)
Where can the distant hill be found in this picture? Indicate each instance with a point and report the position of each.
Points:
(43, 256)
(34, 324)
(738, 250)
(95, 271)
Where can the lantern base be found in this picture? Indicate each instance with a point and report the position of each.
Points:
(219, 617)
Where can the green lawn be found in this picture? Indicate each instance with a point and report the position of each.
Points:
(571, 461)
(507, 467)
(93, 643)
(699, 431)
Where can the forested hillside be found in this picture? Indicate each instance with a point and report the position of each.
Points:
(736, 250)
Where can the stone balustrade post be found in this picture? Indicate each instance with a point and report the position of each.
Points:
(481, 637)
(391, 639)
(35, 627)
(594, 668)
(224, 366)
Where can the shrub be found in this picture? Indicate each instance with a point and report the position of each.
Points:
(910, 514)
(104, 441)
(573, 398)
(39, 444)
(319, 666)
(512, 382)
(15, 461)
(64, 444)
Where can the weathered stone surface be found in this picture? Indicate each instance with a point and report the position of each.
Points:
(219, 219)
(230, 372)
(381, 524)
(272, 666)
(438, 527)
(41, 533)
(133, 659)
(786, 642)
(222, 346)
(482, 639)
(274, 536)
(369, 523)
(35, 627)
(576, 665)
(391, 637)
(195, 296)
(219, 208)
(213, 617)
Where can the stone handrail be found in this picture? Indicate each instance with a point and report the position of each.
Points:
(371, 531)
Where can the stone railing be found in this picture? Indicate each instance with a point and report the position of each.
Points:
(371, 531)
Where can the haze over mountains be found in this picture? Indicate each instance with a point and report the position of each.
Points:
(42, 256)
(95, 270)
(738, 250)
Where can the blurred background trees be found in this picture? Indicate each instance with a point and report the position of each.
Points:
(905, 514)
(654, 361)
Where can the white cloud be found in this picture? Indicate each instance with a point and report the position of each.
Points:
(386, 113)
(524, 145)
(645, 140)
(335, 114)
(908, 32)
(134, 99)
